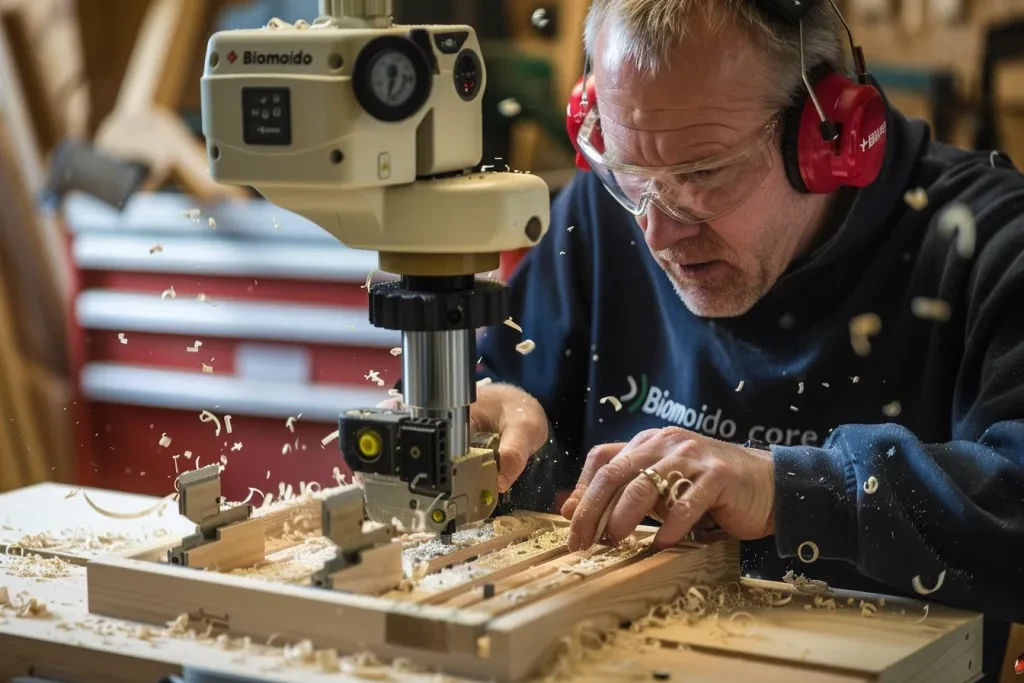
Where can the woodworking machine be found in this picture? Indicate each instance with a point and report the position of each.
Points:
(370, 130)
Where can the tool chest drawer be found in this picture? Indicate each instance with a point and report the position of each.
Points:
(256, 314)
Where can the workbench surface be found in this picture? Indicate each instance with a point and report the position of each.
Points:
(790, 644)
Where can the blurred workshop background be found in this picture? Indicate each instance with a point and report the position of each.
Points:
(120, 324)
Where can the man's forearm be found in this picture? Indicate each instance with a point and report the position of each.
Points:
(875, 496)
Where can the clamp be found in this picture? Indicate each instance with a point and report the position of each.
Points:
(225, 539)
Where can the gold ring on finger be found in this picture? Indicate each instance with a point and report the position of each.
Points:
(656, 479)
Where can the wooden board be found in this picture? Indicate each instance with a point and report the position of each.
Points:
(449, 636)
(891, 646)
(105, 650)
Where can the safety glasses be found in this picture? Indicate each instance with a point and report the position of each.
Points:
(690, 193)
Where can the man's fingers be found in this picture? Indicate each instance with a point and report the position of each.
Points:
(639, 498)
(606, 483)
(685, 513)
(598, 457)
(391, 404)
(514, 451)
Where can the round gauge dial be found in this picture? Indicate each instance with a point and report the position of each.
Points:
(393, 78)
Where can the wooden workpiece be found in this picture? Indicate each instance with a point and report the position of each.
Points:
(788, 643)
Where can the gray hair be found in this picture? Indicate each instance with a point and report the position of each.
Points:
(653, 27)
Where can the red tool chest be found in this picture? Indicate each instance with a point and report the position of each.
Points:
(279, 309)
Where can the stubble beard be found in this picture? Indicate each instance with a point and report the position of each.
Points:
(726, 294)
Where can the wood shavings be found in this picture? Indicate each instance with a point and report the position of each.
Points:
(805, 585)
(483, 382)
(739, 387)
(800, 388)
(165, 441)
(871, 485)
(397, 351)
(892, 409)
(812, 546)
(867, 609)
(916, 199)
(369, 279)
(33, 609)
(126, 515)
(794, 409)
(921, 590)
(327, 660)
(931, 309)
(286, 449)
(374, 377)
(188, 455)
(862, 327)
(202, 298)
(957, 219)
(511, 323)
(227, 424)
(223, 460)
(5, 596)
(195, 347)
(237, 446)
(121, 338)
(338, 476)
(213, 223)
(616, 403)
(526, 347)
(206, 368)
(855, 379)
(923, 617)
(290, 423)
(207, 416)
(168, 293)
(192, 215)
(330, 437)
(746, 623)
(71, 494)
(156, 249)
(299, 653)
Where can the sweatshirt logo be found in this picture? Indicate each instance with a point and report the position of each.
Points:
(658, 403)
(873, 139)
(699, 417)
(292, 58)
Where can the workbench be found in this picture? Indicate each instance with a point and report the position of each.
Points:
(793, 643)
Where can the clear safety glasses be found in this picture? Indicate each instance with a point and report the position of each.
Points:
(690, 193)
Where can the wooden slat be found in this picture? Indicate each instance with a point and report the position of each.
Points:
(823, 638)
(445, 597)
(156, 594)
(498, 603)
(523, 638)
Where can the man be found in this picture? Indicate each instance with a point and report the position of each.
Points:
(879, 356)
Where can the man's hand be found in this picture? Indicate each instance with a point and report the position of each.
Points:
(519, 420)
(515, 416)
(735, 485)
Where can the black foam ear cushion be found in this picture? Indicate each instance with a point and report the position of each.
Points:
(790, 144)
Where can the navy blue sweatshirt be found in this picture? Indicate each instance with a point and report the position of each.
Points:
(935, 413)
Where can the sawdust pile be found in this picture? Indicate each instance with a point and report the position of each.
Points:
(86, 541)
(35, 567)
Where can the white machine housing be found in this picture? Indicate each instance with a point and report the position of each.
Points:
(374, 184)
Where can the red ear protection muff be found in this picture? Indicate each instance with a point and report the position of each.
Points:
(857, 112)
(574, 115)
(813, 164)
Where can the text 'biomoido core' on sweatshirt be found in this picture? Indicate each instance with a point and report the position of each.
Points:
(935, 412)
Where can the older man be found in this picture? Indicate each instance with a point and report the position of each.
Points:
(810, 278)
(743, 265)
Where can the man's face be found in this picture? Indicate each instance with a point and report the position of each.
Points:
(710, 97)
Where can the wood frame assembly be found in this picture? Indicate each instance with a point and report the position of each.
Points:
(502, 624)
